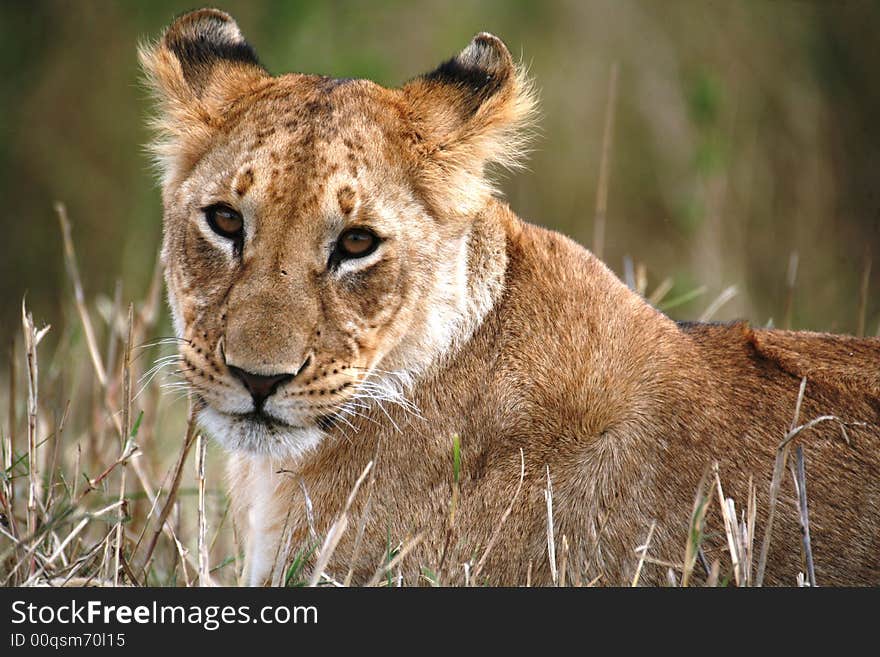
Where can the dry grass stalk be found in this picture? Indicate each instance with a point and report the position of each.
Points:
(8, 490)
(563, 561)
(204, 560)
(775, 483)
(112, 321)
(714, 572)
(126, 431)
(641, 278)
(53, 467)
(695, 530)
(605, 165)
(726, 295)
(162, 523)
(336, 530)
(282, 553)
(801, 481)
(362, 524)
(661, 291)
(790, 283)
(32, 338)
(398, 558)
(740, 535)
(551, 539)
(310, 509)
(73, 273)
(504, 516)
(779, 469)
(642, 551)
(748, 539)
(59, 551)
(149, 313)
(629, 272)
(453, 505)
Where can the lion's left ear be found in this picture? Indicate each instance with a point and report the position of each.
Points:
(471, 111)
(200, 65)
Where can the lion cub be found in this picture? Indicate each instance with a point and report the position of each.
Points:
(350, 290)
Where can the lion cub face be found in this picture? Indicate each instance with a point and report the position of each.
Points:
(317, 231)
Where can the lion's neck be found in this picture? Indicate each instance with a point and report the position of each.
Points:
(465, 291)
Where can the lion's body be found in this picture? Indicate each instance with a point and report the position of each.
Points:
(626, 409)
(464, 321)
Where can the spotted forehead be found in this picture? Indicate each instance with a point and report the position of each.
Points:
(300, 153)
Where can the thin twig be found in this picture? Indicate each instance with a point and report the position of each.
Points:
(605, 165)
(497, 531)
(398, 558)
(126, 431)
(73, 273)
(726, 295)
(563, 561)
(336, 531)
(731, 530)
(779, 469)
(643, 551)
(32, 338)
(661, 291)
(365, 514)
(204, 560)
(453, 505)
(775, 483)
(695, 530)
(790, 283)
(551, 540)
(9, 445)
(188, 441)
(805, 514)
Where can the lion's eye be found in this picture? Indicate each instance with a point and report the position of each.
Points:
(356, 243)
(225, 221)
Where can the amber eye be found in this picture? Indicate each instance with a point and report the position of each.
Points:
(356, 243)
(225, 221)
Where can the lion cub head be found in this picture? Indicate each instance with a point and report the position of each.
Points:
(321, 235)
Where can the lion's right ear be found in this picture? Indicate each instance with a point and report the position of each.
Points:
(200, 65)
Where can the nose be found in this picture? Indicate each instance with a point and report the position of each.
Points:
(260, 386)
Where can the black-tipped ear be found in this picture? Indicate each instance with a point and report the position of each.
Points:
(202, 54)
(477, 73)
(201, 64)
(205, 39)
(469, 112)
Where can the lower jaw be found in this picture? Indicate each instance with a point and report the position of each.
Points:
(259, 436)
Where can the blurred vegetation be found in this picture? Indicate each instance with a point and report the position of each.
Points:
(745, 131)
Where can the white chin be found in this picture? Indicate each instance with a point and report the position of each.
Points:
(244, 435)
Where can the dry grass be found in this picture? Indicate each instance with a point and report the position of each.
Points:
(87, 496)
(96, 490)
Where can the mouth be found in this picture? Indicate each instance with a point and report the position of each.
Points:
(260, 432)
(264, 419)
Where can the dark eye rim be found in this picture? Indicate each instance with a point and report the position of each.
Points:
(339, 252)
(210, 213)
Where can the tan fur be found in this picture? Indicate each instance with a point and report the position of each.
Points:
(466, 321)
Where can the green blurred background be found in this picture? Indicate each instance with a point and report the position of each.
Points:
(745, 131)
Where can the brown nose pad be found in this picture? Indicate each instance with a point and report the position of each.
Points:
(260, 386)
